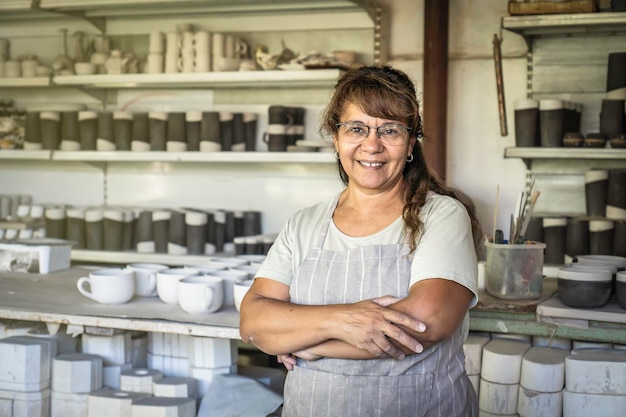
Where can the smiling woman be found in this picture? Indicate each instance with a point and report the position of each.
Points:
(366, 296)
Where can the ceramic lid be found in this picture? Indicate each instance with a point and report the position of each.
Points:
(572, 274)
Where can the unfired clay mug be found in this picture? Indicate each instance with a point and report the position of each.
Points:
(108, 286)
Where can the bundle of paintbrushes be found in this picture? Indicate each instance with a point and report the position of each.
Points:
(523, 212)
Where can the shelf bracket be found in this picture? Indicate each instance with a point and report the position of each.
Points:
(98, 22)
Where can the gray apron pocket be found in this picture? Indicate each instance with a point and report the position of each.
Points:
(315, 393)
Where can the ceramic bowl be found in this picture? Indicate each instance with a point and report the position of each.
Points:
(595, 140)
(573, 140)
(620, 288)
(584, 288)
(84, 68)
(618, 261)
(618, 141)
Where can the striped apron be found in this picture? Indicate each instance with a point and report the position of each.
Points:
(432, 383)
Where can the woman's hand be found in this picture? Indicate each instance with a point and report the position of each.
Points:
(371, 326)
(288, 360)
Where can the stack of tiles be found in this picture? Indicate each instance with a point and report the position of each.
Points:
(169, 353)
(541, 383)
(210, 356)
(164, 407)
(139, 380)
(500, 376)
(595, 383)
(473, 350)
(112, 403)
(25, 375)
(74, 376)
(116, 352)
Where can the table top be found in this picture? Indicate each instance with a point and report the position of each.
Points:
(54, 298)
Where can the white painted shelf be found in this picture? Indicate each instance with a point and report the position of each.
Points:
(163, 156)
(123, 258)
(319, 78)
(26, 155)
(561, 24)
(23, 82)
(565, 153)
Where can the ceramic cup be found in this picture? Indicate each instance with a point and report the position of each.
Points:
(108, 286)
(230, 277)
(146, 278)
(240, 290)
(201, 294)
(167, 283)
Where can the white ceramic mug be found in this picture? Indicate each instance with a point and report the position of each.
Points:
(240, 290)
(167, 283)
(203, 62)
(186, 41)
(156, 42)
(230, 276)
(12, 69)
(202, 42)
(171, 63)
(108, 286)
(145, 278)
(187, 62)
(155, 63)
(199, 294)
(172, 43)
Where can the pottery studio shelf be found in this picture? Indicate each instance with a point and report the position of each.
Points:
(319, 78)
(163, 156)
(560, 24)
(565, 153)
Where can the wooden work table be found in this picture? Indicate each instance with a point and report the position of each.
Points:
(548, 317)
(54, 298)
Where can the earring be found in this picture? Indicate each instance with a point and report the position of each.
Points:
(409, 158)
(337, 155)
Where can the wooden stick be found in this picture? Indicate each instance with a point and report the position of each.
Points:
(495, 214)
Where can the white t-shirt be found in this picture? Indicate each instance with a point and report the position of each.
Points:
(445, 248)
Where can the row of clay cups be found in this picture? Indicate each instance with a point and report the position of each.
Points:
(199, 42)
(203, 288)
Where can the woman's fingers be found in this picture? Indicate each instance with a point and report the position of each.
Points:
(380, 330)
(287, 360)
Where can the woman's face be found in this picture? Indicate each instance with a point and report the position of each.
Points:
(371, 164)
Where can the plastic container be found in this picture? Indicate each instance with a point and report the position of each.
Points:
(514, 272)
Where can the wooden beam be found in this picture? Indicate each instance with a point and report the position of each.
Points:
(436, 13)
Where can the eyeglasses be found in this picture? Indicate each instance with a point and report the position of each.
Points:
(391, 134)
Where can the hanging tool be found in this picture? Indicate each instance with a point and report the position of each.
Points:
(497, 57)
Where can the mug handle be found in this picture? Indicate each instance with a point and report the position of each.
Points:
(80, 284)
(153, 284)
(208, 297)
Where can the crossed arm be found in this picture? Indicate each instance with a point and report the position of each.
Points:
(375, 328)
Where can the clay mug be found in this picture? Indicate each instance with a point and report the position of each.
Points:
(172, 43)
(202, 42)
(12, 69)
(29, 67)
(108, 286)
(240, 289)
(167, 283)
(187, 62)
(201, 294)
(146, 278)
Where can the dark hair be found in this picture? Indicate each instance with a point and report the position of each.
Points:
(388, 93)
